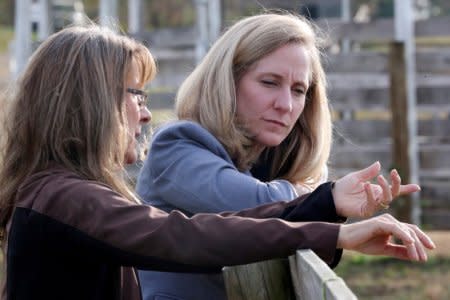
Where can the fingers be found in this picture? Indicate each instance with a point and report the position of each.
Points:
(372, 204)
(397, 251)
(386, 200)
(398, 189)
(409, 248)
(396, 229)
(374, 200)
(369, 172)
(416, 250)
(408, 189)
(414, 242)
(396, 181)
(375, 236)
(424, 239)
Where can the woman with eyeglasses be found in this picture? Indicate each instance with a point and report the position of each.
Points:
(71, 227)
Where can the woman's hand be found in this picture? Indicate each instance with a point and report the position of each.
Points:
(374, 237)
(355, 196)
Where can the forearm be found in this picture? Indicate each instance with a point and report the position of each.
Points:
(316, 206)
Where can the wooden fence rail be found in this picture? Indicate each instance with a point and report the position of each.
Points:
(303, 277)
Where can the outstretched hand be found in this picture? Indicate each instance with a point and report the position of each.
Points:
(374, 237)
(355, 196)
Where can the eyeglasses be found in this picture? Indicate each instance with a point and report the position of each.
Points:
(142, 96)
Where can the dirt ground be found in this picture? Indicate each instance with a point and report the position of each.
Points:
(375, 278)
(4, 69)
(442, 241)
(4, 72)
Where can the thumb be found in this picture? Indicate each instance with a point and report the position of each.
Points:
(369, 172)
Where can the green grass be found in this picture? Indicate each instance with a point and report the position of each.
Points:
(386, 278)
(6, 34)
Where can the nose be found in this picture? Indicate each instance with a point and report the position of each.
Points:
(145, 115)
(284, 100)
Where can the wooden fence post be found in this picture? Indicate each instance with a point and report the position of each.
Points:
(22, 36)
(108, 13)
(400, 137)
(403, 104)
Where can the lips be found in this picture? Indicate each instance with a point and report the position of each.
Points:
(276, 122)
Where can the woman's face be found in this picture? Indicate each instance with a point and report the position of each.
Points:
(137, 113)
(271, 94)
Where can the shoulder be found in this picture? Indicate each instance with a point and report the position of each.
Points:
(182, 129)
(186, 133)
(59, 187)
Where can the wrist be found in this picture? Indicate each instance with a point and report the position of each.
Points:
(341, 241)
(333, 194)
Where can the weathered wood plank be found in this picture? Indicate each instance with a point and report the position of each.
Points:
(358, 157)
(368, 131)
(441, 174)
(316, 280)
(263, 280)
(180, 37)
(435, 194)
(432, 157)
(375, 131)
(337, 289)
(428, 98)
(312, 279)
(370, 62)
(438, 219)
(435, 26)
(377, 30)
(436, 61)
(381, 29)
(380, 80)
(357, 80)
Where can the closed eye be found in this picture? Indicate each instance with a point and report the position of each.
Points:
(268, 82)
(299, 91)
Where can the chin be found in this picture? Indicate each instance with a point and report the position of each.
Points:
(270, 142)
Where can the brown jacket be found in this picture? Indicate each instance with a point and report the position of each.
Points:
(70, 238)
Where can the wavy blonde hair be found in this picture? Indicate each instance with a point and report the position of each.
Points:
(208, 96)
(69, 108)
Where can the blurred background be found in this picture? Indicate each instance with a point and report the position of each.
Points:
(388, 70)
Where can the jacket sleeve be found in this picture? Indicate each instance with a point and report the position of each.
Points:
(190, 170)
(315, 206)
(148, 238)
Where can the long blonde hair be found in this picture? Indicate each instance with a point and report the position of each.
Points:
(69, 108)
(208, 96)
